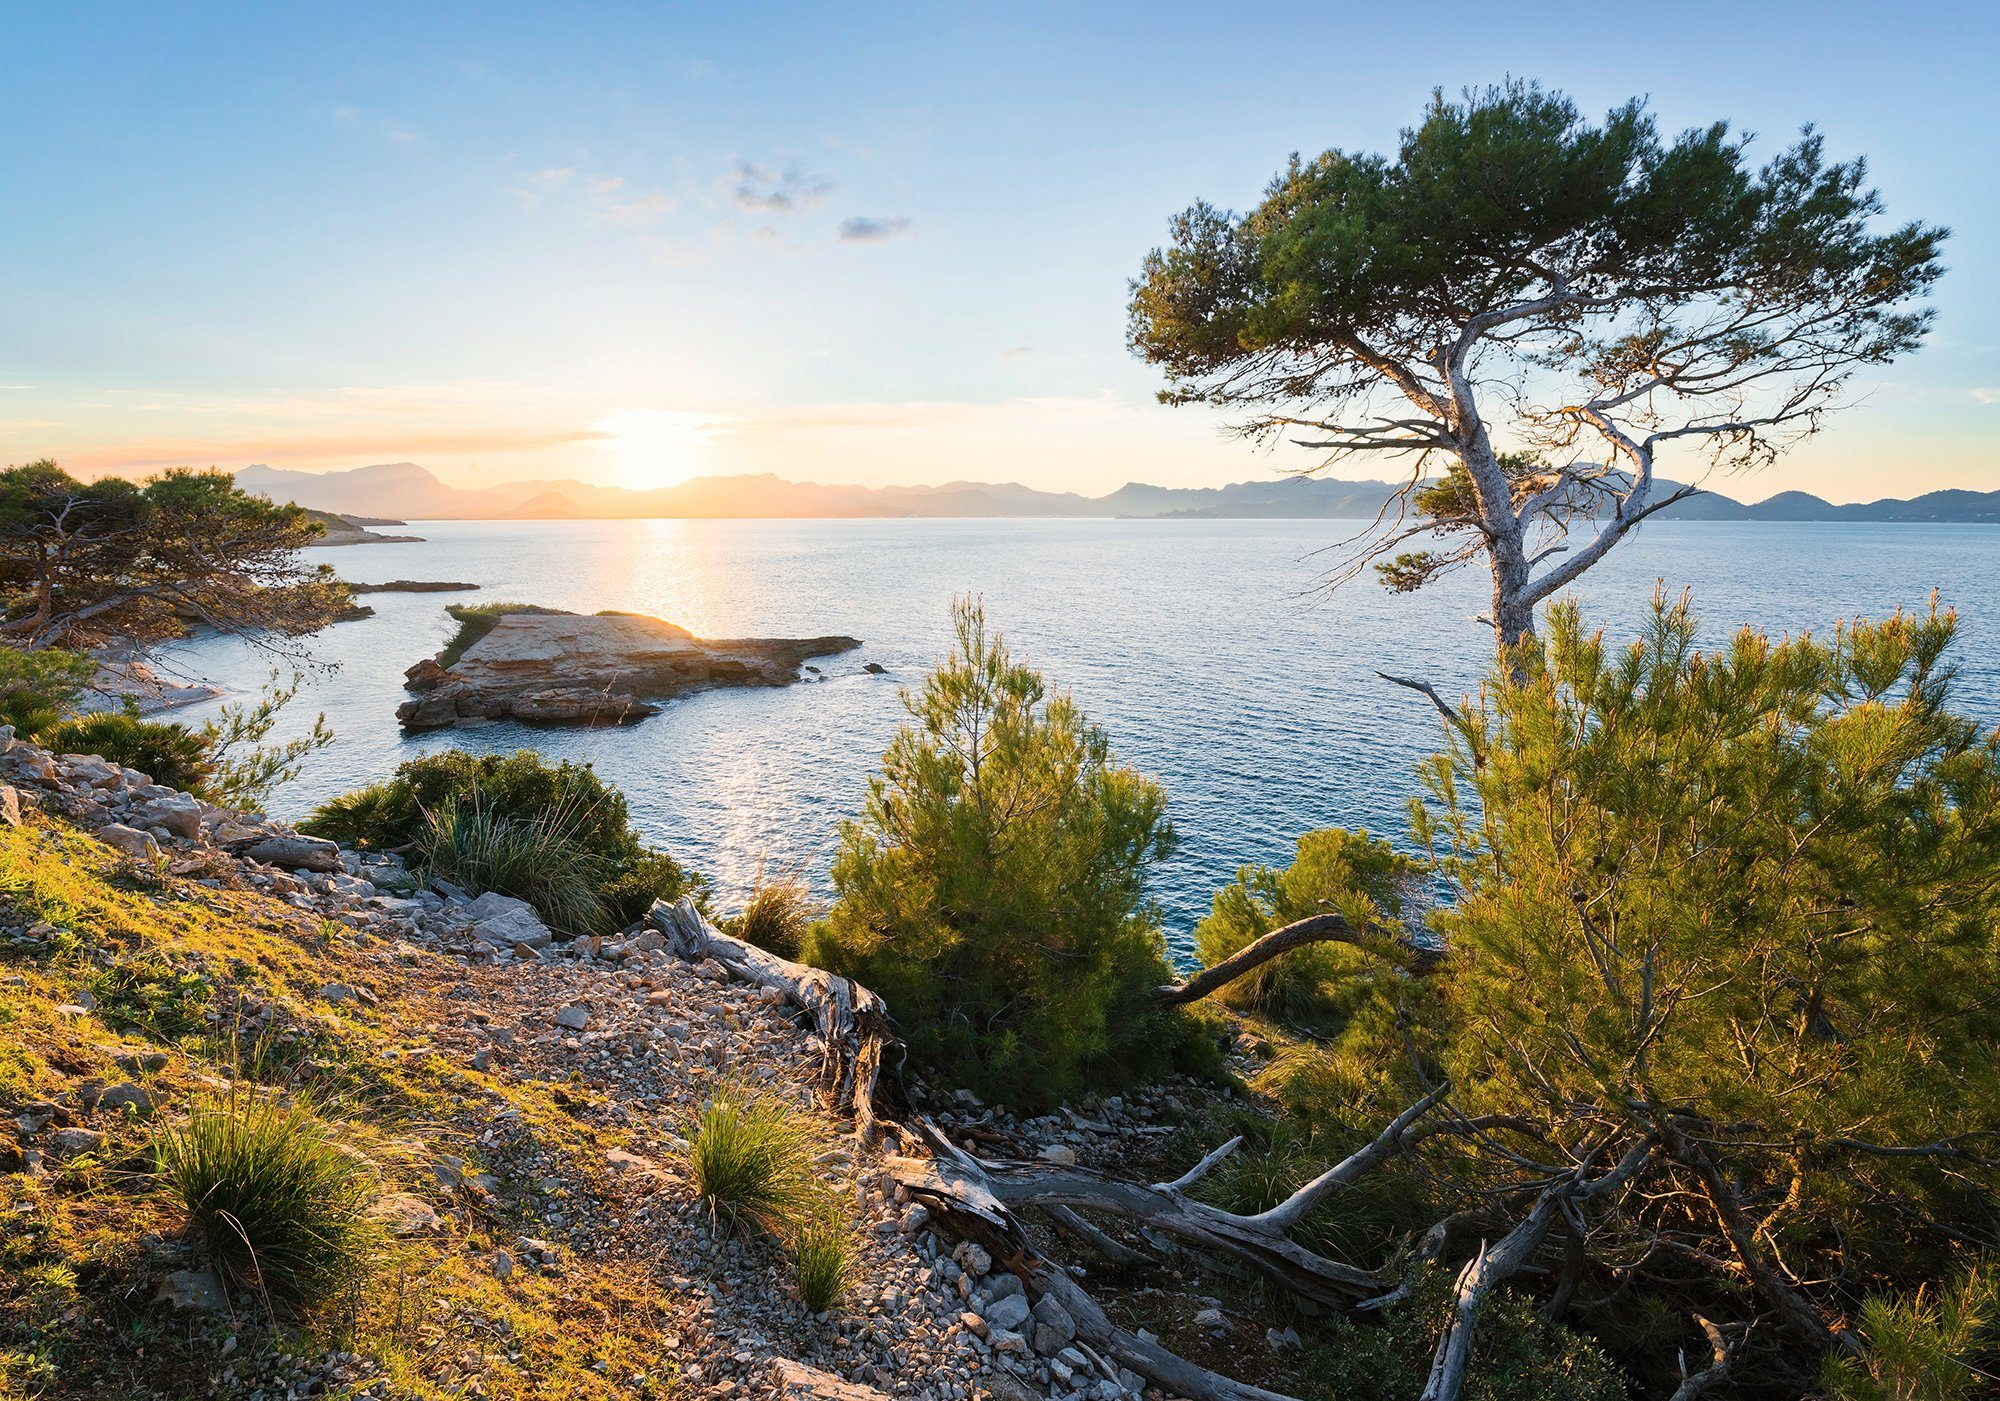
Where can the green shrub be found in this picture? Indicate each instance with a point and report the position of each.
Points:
(1938, 1344)
(994, 889)
(37, 689)
(168, 753)
(281, 1207)
(776, 917)
(1742, 903)
(1333, 871)
(1518, 1355)
(823, 1263)
(482, 812)
(475, 620)
(753, 1158)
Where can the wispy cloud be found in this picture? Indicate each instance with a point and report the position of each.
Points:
(785, 191)
(349, 115)
(640, 209)
(601, 195)
(1017, 350)
(865, 229)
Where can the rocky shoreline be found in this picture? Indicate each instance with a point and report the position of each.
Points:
(479, 988)
(554, 668)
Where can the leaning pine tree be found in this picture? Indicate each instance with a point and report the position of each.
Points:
(1531, 309)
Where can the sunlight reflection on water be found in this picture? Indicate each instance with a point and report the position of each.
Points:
(1202, 646)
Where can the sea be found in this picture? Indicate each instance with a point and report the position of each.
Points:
(1217, 654)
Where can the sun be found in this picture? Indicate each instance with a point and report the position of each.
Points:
(657, 447)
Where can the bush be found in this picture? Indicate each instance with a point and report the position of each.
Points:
(518, 824)
(37, 689)
(168, 753)
(1333, 871)
(1733, 913)
(282, 1208)
(753, 1160)
(994, 889)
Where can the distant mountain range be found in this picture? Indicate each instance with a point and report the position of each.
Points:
(405, 491)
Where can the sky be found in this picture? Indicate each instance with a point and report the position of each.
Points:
(845, 243)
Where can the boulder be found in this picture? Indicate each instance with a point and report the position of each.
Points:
(799, 1382)
(126, 1096)
(567, 669)
(68, 1143)
(503, 921)
(1054, 1328)
(129, 840)
(1008, 1312)
(178, 814)
(10, 805)
(296, 852)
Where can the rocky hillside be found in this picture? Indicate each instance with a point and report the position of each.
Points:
(521, 1106)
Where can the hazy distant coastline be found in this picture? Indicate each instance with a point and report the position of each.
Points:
(405, 491)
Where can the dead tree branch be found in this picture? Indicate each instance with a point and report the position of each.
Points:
(1313, 929)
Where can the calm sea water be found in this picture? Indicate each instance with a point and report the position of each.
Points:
(1205, 648)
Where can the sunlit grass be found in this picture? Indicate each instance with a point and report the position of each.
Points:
(281, 1207)
(752, 1156)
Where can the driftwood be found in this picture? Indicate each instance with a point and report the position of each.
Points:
(1496, 1263)
(852, 1022)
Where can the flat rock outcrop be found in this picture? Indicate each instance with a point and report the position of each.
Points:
(604, 669)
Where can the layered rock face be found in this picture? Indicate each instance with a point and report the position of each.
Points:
(568, 669)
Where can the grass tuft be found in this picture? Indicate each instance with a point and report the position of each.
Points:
(471, 844)
(777, 916)
(281, 1207)
(753, 1159)
(823, 1263)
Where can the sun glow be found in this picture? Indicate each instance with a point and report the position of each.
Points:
(658, 447)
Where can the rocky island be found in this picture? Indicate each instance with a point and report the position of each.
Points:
(550, 667)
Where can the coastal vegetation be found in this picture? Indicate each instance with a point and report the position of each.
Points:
(1658, 1059)
(555, 835)
(1361, 878)
(1539, 305)
(88, 563)
(474, 621)
(993, 889)
(282, 1207)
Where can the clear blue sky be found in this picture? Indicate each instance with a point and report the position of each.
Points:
(607, 240)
